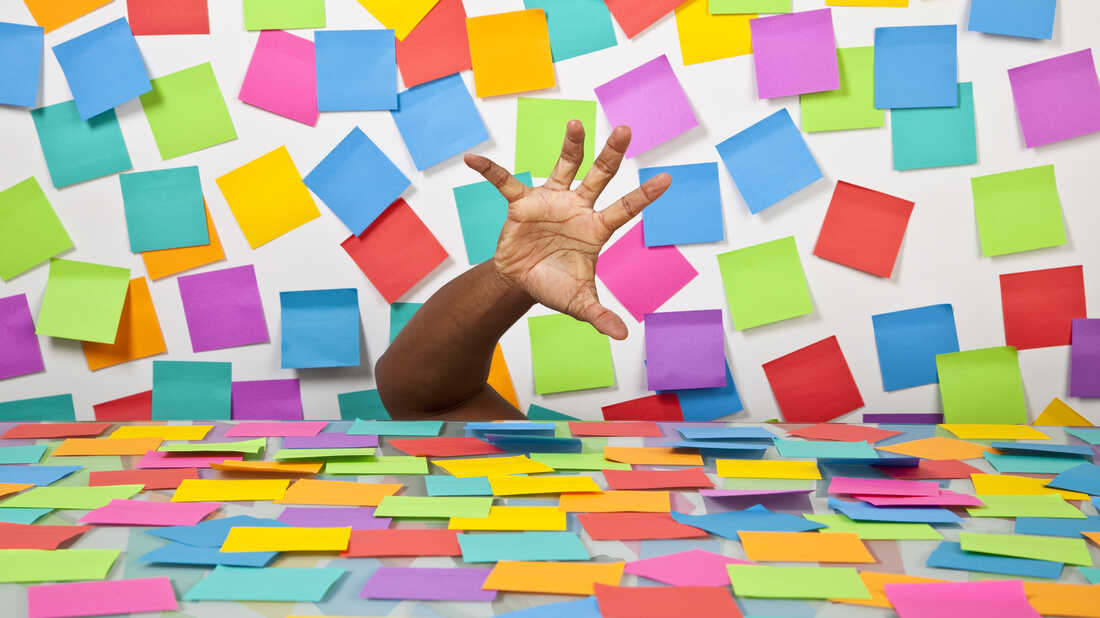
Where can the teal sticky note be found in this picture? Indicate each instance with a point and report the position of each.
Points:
(935, 136)
(21, 516)
(362, 404)
(539, 413)
(53, 408)
(77, 150)
(1030, 464)
(458, 486)
(164, 209)
(395, 428)
(28, 454)
(400, 314)
(192, 390)
(229, 583)
(522, 546)
(481, 213)
(577, 27)
(826, 449)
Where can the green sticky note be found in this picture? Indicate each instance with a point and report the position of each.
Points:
(83, 301)
(1041, 505)
(362, 404)
(83, 498)
(538, 413)
(401, 313)
(779, 582)
(568, 355)
(765, 283)
(852, 106)
(185, 390)
(874, 530)
(186, 112)
(578, 461)
(736, 483)
(57, 408)
(59, 565)
(283, 14)
(76, 149)
(1035, 547)
(522, 546)
(1030, 464)
(540, 131)
(577, 27)
(481, 213)
(240, 446)
(741, 7)
(365, 427)
(229, 583)
(398, 464)
(22, 516)
(1018, 211)
(313, 454)
(87, 463)
(164, 209)
(982, 386)
(30, 231)
(926, 137)
(434, 507)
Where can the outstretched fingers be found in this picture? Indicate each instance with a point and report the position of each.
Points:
(606, 165)
(572, 154)
(506, 183)
(617, 214)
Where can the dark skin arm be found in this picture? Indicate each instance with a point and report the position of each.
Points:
(438, 365)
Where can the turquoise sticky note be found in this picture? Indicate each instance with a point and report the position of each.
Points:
(21, 516)
(229, 583)
(28, 454)
(77, 150)
(827, 449)
(57, 408)
(522, 546)
(356, 70)
(395, 428)
(104, 68)
(481, 213)
(21, 49)
(458, 486)
(400, 314)
(935, 136)
(186, 390)
(538, 413)
(362, 404)
(1030, 464)
(320, 328)
(690, 211)
(577, 27)
(164, 209)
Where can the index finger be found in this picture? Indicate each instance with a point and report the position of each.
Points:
(506, 183)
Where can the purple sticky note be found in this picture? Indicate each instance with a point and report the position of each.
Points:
(642, 277)
(794, 53)
(267, 400)
(1057, 99)
(19, 351)
(417, 584)
(685, 349)
(282, 77)
(330, 440)
(223, 308)
(650, 100)
(358, 518)
(1084, 362)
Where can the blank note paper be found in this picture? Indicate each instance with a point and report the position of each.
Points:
(282, 77)
(540, 127)
(1084, 376)
(1032, 19)
(77, 150)
(916, 66)
(1057, 98)
(256, 400)
(186, 112)
(852, 105)
(21, 46)
(30, 231)
(437, 47)
(396, 251)
(111, 48)
(283, 14)
(568, 355)
(1040, 305)
(651, 101)
(642, 278)
(481, 214)
(935, 136)
(438, 120)
(191, 390)
(982, 386)
(908, 342)
(794, 53)
(764, 283)
(118, 596)
(164, 209)
(863, 229)
(769, 161)
(223, 308)
(685, 349)
(320, 328)
(267, 197)
(690, 211)
(356, 70)
(21, 352)
(83, 301)
(510, 52)
(138, 336)
(152, 17)
(707, 35)
(814, 384)
(1018, 211)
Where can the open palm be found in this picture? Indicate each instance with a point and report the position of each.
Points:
(553, 234)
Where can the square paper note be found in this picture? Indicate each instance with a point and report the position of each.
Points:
(568, 355)
(77, 150)
(167, 262)
(320, 328)
(642, 278)
(481, 213)
(164, 209)
(769, 161)
(263, 400)
(51, 14)
(1057, 99)
(438, 120)
(935, 136)
(186, 112)
(223, 308)
(577, 27)
(1084, 363)
(852, 105)
(283, 14)
(650, 100)
(83, 301)
(540, 130)
(1018, 211)
(916, 66)
(21, 352)
(1032, 19)
(30, 231)
(268, 197)
(87, 59)
(186, 390)
(690, 211)
(685, 349)
(982, 386)
(356, 70)
(139, 334)
(1040, 305)
(510, 52)
(168, 16)
(282, 77)
(21, 49)
(634, 16)
(437, 47)
(908, 342)
(814, 384)
(765, 283)
(396, 251)
(863, 229)
(794, 53)
(706, 35)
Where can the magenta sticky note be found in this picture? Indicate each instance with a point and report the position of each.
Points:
(275, 429)
(223, 308)
(642, 277)
(19, 351)
(882, 487)
(650, 100)
(685, 349)
(146, 513)
(423, 584)
(696, 567)
(794, 53)
(1057, 98)
(946, 497)
(282, 77)
(1003, 599)
(158, 460)
(101, 598)
(256, 400)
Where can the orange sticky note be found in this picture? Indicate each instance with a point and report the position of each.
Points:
(651, 456)
(510, 52)
(876, 585)
(1094, 537)
(338, 493)
(616, 502)
(286, 539)
(1050, 599)
(500, 378)
(138, 335)
(106, 446)
(168, 262)
(268, 467)
(937, 448)
(6, 489)
(553, 577)
(52, 14)
(804, 547)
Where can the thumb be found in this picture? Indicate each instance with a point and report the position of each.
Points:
(602, 318)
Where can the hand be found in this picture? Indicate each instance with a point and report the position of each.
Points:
(552, 235)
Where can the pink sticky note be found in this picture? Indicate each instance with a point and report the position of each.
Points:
(946, 497)
(1003, 599)
(642, 277)
(882, 487)
(282, 77)
(118, 596)
(1057, 98)
(145, 513)
(794, 53)
(274, 428)
(689, 568)
(157, 459)
(650, 100)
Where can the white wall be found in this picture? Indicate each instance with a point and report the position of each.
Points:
(940, 259)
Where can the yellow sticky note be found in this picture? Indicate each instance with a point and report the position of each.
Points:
(1010, 485)
(995, 432)
(286, 539)
(338, 493)
(268, 467)
(138, 335)
(626, 501)
(767, 469)
(937, 448)
(500, 378)
(491, 466)
(401, 16)
(523, 485)
(651, 456)
(513, 518)
(267, 197)
(1059, 414)
(876, 585)
(553, 577)
(882, 3)
(214, 490)
(75, 447)
(52, 14)
(164, 432)
(510, 52)
(705, 37)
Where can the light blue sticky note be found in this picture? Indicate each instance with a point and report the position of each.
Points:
(21, 516)
(77, 150)
(400, 314)
(1092, 574)
(769, 161)
(707, 404)
(824, 448)
(1057, 526)
(164, 209)
(1084, 478)
(756, 518)
(1032, 19)
(35, 475)
(57, 408)
(587, 607)
(534, 444)
(935, 136)
(577, 27)
(457, 486)
(1039, 448)
(28, 454)
(395, 428)
(192, 390)
(478, 429)
(357, 181)
(690, 211)
(362, 404)
(481, 213)
(908, 342)
(176, 553)
(726, 433)
(1092, 435)
(536, 412)
(104, 68)
(861, 511)
(522, 546)
(212, 533)
(438, 120)
(228, 583)
(356, 70)
(320, 328)
(916, 66)
(949, 555)
(1030, 464)
(21, 48)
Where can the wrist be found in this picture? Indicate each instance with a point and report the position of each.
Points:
(507, 287)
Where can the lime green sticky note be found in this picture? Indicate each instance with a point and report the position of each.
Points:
(737, 483)
(852, 106)
(186, 112)
(568, 355)
(83, 301)
(240, 446)
(540, 131)
(1041, 505)
(876, 530)
(398, 464)
(283, 14)
(313, 454)
(83, 498)
(765, 283)
(1018, 211)
(58, 565)
(434, 507)
(1035, 547)
(30, 231)
(578, 461)
(779, 582)
(741, 7)
(982, 386)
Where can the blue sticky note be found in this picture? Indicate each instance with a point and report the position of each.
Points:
(1030, 464)
(577, 27)
(357, 181)
(28, 454)
(887, 461)
(164, 209)
(365, 427)
(356, 70)
(861, 511)
(1084, 478)
(690, 211)
(726, 433)
(949, 555)
(320, 328)
(191, 390)
(21, 516)
(35, 475)
(1038, 448)
(581, 608)
(824, 448)
(457, 486)
(362, 404)
(58, 408)
(707, 404)
(438, 120)
(400, 314)
(522, 546)
(1032, 19)
(908, 342)
(478, 429)
(176, 553)
(935, 136)
(1091, 435)
(228, 583)
(769, 161)
(757, 519)
(1057, 526)
(734, 448)
(539, 413)
(103, 67)
(916, 66)
(77, 150)
(534, 444)
(481, 213)
(212, 533)
(21, 48)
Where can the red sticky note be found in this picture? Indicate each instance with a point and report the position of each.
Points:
(31, 536)
(444, 447)
(437, 46)
(636, 527)
(660, 407)
(40, 431)
(402, 542)
(643, 602)
(843, 433)
(863, 229)
(1039, 306)
(137, 407)
(932, 469)
(168, 478)
(637, 15)
(396, 251)
(116, 596)
(168, 17)
(689, 478)
(813, 384)
(641, 429)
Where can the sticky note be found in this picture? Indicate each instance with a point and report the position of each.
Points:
(492, 466)
(1033, 19)
(660, 407)
(937, 448)
(783, 69)
(878, 3)
(824, 449)
(863, 229)
(1005, 598)
(553, 577)
(201, 490)
(1084, 364)
(1056, 526)
(651, 455)
(211, 533)
(1057, 412)
(949, 555)
(356, 517)
(540, 127)
(568, 355)
(241, 446)
(83, 301)
(320, 328)
(804, 547)
(577, 27)
(1064, 599)
(275, 428)
(876, 583)
(433, 507)
(356, 70)
(694, 600)
(861, 511)
(1091, 436)
(396, 251)
(76, 149)
(34, 475)
(510, 52)
(1018, 211)
(814, 383)
(167, 262)
(228, 583)
(30, 230)
(223, 308)
(38, 565)
(634, 17)
(481, 214)
(650, 100)
(268, 197)
(401, 16)
(707, 35)
(982, 386)
(77, 498)
(139, 334)
(186, 111)
(107, 446)
(785, 582)
(874, 530)
(693, 567)
(685, 349)
(177, 554)
(244, 539)
(145, 513)
(767, 469)
(643, 278)
(1057, 99)
(378, 465)
(522, 546)
(527, 485)
(149, 17)
(1040, 505)
(164, 209)
(908, 342)
(437, 47)
(724, 7)
(402, 542)
(283, 14)
(453, 486)
(445, 446)
(150, 479)
(164, 432)
(616, 502)
(357, 181)
(1084, 478)
(267, 400)
(438, 120)
(28, 536)
(769, 161)
(282, 77)
(338, 493)
(513, 518)
(707, 404)
(852, 104)
(35, 431)
(362, 404)
(428, 584)
(83, 59)
(396, 428)
(1069, 551)
(916, 66)
(935, 137)
(191, 390)
(30, 454)
(730, 524)
(51, 408)
(690, 211)
(1030, 464)
(22, 355)
(1039, 306)
(578, 461)
(22, 45)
